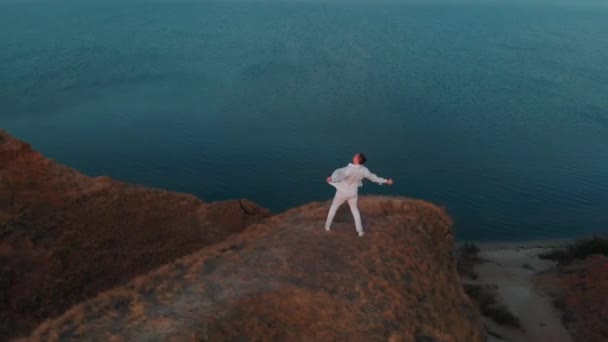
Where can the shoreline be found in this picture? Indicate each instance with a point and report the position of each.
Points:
(516, 245)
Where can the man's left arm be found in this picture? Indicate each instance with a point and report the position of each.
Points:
(338, 175)
(372, 177)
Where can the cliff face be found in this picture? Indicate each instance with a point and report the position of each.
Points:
(288, 279)
(64, 237)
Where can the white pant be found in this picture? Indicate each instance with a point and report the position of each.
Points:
(340, 198)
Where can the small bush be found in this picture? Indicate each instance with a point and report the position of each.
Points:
(470, 251)
(556, 254)
(580, 249)
(467, 257)
(567, 316)
(501, 315)
(559, 303)
(486, 297)
(466, 270)
(527, 266)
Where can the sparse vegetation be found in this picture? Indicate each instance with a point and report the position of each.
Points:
(501, 315)
(567, 316)
(486, 298)
(484, 295)
(467, 256)
(470, 249)
(580, 249)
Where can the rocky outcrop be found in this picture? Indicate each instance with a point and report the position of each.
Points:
(579, 291)
(65, 237)
(288, 279)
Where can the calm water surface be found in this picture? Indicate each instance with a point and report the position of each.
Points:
(500, 114)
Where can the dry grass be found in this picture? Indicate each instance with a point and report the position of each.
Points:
(290, 280)
(65, 237)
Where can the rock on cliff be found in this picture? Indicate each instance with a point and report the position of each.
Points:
(64, 237)
(288, 279)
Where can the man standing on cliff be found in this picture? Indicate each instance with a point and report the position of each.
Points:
(347, 181)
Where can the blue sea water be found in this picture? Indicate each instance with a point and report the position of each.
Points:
(497, 112)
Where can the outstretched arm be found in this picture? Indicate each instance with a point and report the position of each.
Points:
(372, 177)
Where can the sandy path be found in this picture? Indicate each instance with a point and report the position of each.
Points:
(505, 268)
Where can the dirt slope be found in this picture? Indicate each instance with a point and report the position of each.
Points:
(580, 292)
(64, 237)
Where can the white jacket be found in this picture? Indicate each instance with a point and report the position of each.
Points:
(348, 179)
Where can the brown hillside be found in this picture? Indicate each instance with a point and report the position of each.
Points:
(579, 290)
(289, 280)
(65, 237)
